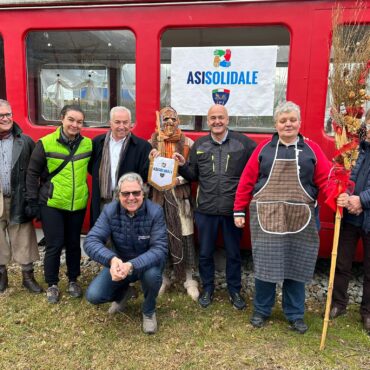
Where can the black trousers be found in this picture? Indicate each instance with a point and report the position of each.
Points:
(349, 237)
(61, 229)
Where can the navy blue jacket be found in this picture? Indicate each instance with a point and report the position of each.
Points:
(141, 240)
(364, 195)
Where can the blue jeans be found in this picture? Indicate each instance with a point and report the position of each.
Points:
(293, 298)
(208, 226)
(102, 289)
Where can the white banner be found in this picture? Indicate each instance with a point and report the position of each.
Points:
(240, 77)
(162, 173)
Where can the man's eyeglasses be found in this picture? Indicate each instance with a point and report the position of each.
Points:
(6, 115)
(135, 193)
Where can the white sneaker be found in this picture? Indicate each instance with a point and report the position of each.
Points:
(120, 306)
(166, 283)
(150, 324)
(191, 287)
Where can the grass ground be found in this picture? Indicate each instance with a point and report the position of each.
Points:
(76, 335)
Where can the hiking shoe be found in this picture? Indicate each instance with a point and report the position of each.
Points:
(237, 301)
(298, 326)
(366, 322)
(3, 281)
(74, 289)
(336, 311)
(119, 306)
(205, 299)
(53, 294)
(150, 324)
(257, 320)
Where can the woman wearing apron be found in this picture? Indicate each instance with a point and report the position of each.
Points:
(280, 184)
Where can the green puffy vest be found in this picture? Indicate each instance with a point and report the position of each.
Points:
(68, 189)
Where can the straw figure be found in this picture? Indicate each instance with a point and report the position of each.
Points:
(166, 140)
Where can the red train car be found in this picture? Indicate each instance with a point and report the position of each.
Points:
(105, 53)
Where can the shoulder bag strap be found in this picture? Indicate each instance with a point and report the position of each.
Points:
(65, 162)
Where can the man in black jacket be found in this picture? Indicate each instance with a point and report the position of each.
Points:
(15, 153)
(115, 153)
(217, 161)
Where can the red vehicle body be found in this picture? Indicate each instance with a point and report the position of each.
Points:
(307, 24)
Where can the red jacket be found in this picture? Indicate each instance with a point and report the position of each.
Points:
(314, 169)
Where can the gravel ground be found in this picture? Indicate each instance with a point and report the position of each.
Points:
(315, 291)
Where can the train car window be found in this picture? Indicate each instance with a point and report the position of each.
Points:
(2, 71)
(363, 34)
(127, 88)
(236, 36)
(80, 67)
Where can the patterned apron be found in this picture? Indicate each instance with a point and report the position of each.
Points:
(283, 229)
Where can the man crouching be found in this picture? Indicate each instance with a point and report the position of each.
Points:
(137, 230)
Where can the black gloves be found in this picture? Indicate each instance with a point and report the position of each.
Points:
(33, 209)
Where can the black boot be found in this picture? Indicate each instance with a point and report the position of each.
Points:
(30, 283)
(3, 281)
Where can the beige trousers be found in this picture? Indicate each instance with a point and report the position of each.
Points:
(16, 240)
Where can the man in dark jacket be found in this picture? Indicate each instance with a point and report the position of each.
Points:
(355, 226)
(138, 231)
(217, 161)
(15, 153)
(115, 153)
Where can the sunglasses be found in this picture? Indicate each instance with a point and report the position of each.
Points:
(135, 193)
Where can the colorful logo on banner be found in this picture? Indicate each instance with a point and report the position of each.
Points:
(222, 58)
(241, 78)
(220, 96)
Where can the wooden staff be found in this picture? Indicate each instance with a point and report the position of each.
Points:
(161, 147)
(333, 264)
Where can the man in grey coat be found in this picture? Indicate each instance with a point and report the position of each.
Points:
(17, 235)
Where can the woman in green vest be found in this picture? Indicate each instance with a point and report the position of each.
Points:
(57, 193)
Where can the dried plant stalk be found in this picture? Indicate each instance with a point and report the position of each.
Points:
(347, 81)
(351, 65)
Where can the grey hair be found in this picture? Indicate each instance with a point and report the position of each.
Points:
(131, 177)
(6, 103)
(119, 109)
(287, 107)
